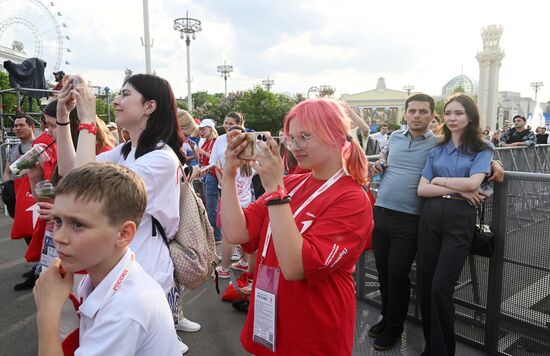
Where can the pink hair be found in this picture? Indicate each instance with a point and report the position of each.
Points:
(328, 120)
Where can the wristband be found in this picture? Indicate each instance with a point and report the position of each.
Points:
(62, 123)
(280, 194)
(92, 128)
(285, 200)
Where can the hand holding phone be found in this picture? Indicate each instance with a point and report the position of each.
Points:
(252, 139)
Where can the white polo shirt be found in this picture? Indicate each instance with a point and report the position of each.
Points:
(382, 140)
(159, 170)
(126, 314)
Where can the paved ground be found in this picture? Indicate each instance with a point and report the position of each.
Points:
(221, 324)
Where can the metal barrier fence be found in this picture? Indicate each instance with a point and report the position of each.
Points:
(534, 159)
(502, 303)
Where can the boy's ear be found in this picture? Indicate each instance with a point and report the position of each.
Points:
(126, 233)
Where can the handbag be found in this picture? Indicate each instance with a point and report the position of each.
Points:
(483, 241)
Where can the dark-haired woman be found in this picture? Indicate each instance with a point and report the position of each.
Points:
(146, 107)
(450, 183)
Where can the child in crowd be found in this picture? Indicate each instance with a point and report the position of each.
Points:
(123, 310)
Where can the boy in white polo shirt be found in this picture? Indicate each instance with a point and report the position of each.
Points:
(123, 310)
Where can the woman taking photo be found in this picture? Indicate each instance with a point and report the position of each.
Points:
(450, 183)
(309, 230)
(146, 107)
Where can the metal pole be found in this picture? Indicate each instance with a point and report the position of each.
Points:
(108, 109)
(225, 80)
(147, 40)
(189, 98)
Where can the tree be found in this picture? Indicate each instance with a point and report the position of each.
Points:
(439, 105)
(326, 91)
(458, 89)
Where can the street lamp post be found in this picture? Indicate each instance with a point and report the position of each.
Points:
(107, 90)
(408, 88)
(146, 41)
(536, 86)
(187, 28)
(268, 83)
(224, 70)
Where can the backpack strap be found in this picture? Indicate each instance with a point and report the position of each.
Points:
(158, 226)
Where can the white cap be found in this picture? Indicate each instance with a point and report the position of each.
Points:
(111, 125)
(207, 123)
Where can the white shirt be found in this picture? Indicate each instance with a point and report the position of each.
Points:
(133, 320)
(217, 156)
(382, 139)
(159, 170)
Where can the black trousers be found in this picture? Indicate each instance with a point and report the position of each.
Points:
(394, 239)
(444, 237)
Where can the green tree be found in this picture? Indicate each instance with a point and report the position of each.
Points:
(326, 90)
(458, 89)
(439, 105)
(101, 107)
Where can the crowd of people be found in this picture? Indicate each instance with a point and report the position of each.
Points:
(294, 216)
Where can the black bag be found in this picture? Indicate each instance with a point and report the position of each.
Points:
(8, 196)
(484, 239)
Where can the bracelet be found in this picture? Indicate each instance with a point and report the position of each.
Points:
(62, 123)
(92, 128)
(285, 200)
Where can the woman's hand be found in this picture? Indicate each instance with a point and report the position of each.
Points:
(46, 211)
(474, 198)
(85, 101)
(65, 101)
(236, 143)
(269, 164)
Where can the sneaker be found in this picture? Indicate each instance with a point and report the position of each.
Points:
(183, 348)
(26, 284)
(377, 329)
(241, 265)
(385, 341)
(29, 273)
(222, 272)
(187, 325)
(236, 256)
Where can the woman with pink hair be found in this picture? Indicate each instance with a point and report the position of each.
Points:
(309, 230)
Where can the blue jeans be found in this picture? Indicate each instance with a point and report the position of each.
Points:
(212, 195)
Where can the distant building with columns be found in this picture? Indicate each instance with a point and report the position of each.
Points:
(380, 105)
(490, 60)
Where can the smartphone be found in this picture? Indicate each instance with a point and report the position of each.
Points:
(252, 139)
(486, 188)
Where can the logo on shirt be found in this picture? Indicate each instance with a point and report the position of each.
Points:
(336, 252)
(306, 225)
(120, 280)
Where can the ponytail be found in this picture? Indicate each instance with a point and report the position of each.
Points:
(356, 163)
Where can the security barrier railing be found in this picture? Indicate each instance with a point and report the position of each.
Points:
(502, 303)
(534, 159)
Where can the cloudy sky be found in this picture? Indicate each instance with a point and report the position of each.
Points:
(348, 44)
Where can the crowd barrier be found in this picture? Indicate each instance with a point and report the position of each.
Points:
(502, 303)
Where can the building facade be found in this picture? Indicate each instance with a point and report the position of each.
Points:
(380, 105)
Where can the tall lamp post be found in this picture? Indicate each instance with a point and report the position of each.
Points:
(146, 42)
(268, 83)
(408, 88)
(536, 86)
(107, 90)
(188, 27)
(224, 70)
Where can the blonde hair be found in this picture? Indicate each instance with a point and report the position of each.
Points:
(121, 191)
(186, 123)
(104, 137)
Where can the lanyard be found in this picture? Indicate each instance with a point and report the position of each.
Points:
(318, 192)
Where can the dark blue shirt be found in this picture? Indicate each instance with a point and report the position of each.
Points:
(448, 161)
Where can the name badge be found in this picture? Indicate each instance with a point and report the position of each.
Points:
(265, 306)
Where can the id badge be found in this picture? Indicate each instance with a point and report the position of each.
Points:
(265, 306)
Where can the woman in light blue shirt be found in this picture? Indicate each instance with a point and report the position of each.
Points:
(450, 183)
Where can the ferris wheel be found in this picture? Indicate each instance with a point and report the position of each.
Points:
(29, 28)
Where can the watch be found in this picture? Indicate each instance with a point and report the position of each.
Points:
(92, 128)
(279, 195)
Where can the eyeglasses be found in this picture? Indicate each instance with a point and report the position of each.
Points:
(299, 141)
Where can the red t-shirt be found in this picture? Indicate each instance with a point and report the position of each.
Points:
(315, 316)
(205, 160)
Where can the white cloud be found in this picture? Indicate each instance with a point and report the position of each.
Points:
(348, 44)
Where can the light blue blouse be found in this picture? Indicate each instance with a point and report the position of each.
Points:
(448, 161)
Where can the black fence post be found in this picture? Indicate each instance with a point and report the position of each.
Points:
(496, 267)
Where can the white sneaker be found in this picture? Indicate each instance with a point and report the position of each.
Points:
(187, 326)
(236, 256)
(183, 348)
